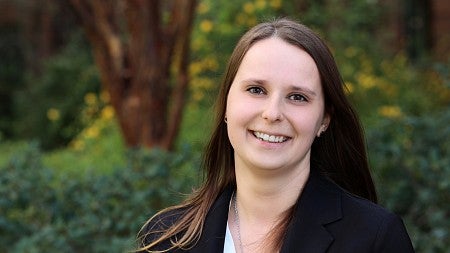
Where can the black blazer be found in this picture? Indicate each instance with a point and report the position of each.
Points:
(326, 219)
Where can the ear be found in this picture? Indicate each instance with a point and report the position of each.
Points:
(325, 123)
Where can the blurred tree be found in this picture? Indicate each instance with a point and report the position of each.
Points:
(30, 32)
(45, 28)
(11, 78)
(141, 49)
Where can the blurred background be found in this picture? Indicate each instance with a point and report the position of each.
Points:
(105, 107)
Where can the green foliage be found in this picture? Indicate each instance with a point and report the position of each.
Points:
(342, 23)
(100, 154)
(195, 127)
(47, 108)
(8, 148)
(44, 211)
(411, 161)
(443, 70)
(390, 87)
(100, 139)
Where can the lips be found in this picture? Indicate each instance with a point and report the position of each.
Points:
(270, 138)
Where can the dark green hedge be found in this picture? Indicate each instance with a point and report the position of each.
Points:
(45, 210)
(411, 161)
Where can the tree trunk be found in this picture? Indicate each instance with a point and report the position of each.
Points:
(134, 48)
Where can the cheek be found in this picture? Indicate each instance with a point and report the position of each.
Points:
(238, 109)
(232, 114)
(307, 123)
(238, 115)
(235, 126)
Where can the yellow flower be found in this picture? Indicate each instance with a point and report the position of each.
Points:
(203, 8)
(77, 145)
(206, 25)
(366, 81)
(53, 114)
(108, 112)
(90, 98)
(92, 132)
(249, 8)
(349, 87)
(276, 4)
(390, 111)
(195, 68)
(260, 4)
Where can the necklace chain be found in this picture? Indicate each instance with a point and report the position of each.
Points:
(236, 221)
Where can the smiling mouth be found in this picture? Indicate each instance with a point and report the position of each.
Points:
(270, 138)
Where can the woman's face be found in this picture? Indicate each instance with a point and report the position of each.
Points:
(275, 107)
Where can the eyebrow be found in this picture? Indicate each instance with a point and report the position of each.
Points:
(255, 81)
(303, 89)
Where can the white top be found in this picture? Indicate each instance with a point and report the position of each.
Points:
(228, 247)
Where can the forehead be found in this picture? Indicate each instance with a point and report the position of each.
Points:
(275, 60)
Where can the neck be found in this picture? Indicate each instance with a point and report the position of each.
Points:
(264, 196)
(260, 203)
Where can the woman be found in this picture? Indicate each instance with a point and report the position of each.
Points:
(286, 166)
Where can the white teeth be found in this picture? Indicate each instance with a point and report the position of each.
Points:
(269, 138)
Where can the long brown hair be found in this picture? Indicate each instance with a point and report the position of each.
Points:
(339, 154)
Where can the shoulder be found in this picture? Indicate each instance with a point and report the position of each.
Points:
(349, 204)
(371, 224)
(165, 219)
(157, 225)
(356, 206)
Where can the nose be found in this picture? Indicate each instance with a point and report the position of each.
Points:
(273, 110)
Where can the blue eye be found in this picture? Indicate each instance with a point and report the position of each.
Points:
(255, 90)
(297, 97)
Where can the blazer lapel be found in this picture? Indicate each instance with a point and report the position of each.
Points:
(213, 236)
(319, 204)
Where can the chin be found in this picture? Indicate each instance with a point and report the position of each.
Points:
(270, 165)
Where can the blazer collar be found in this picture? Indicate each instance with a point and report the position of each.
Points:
(318, 205)
(213, 236)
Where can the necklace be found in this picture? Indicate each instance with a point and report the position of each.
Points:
(236, 221)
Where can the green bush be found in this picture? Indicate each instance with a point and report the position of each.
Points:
(42, 212)
(411, 159)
